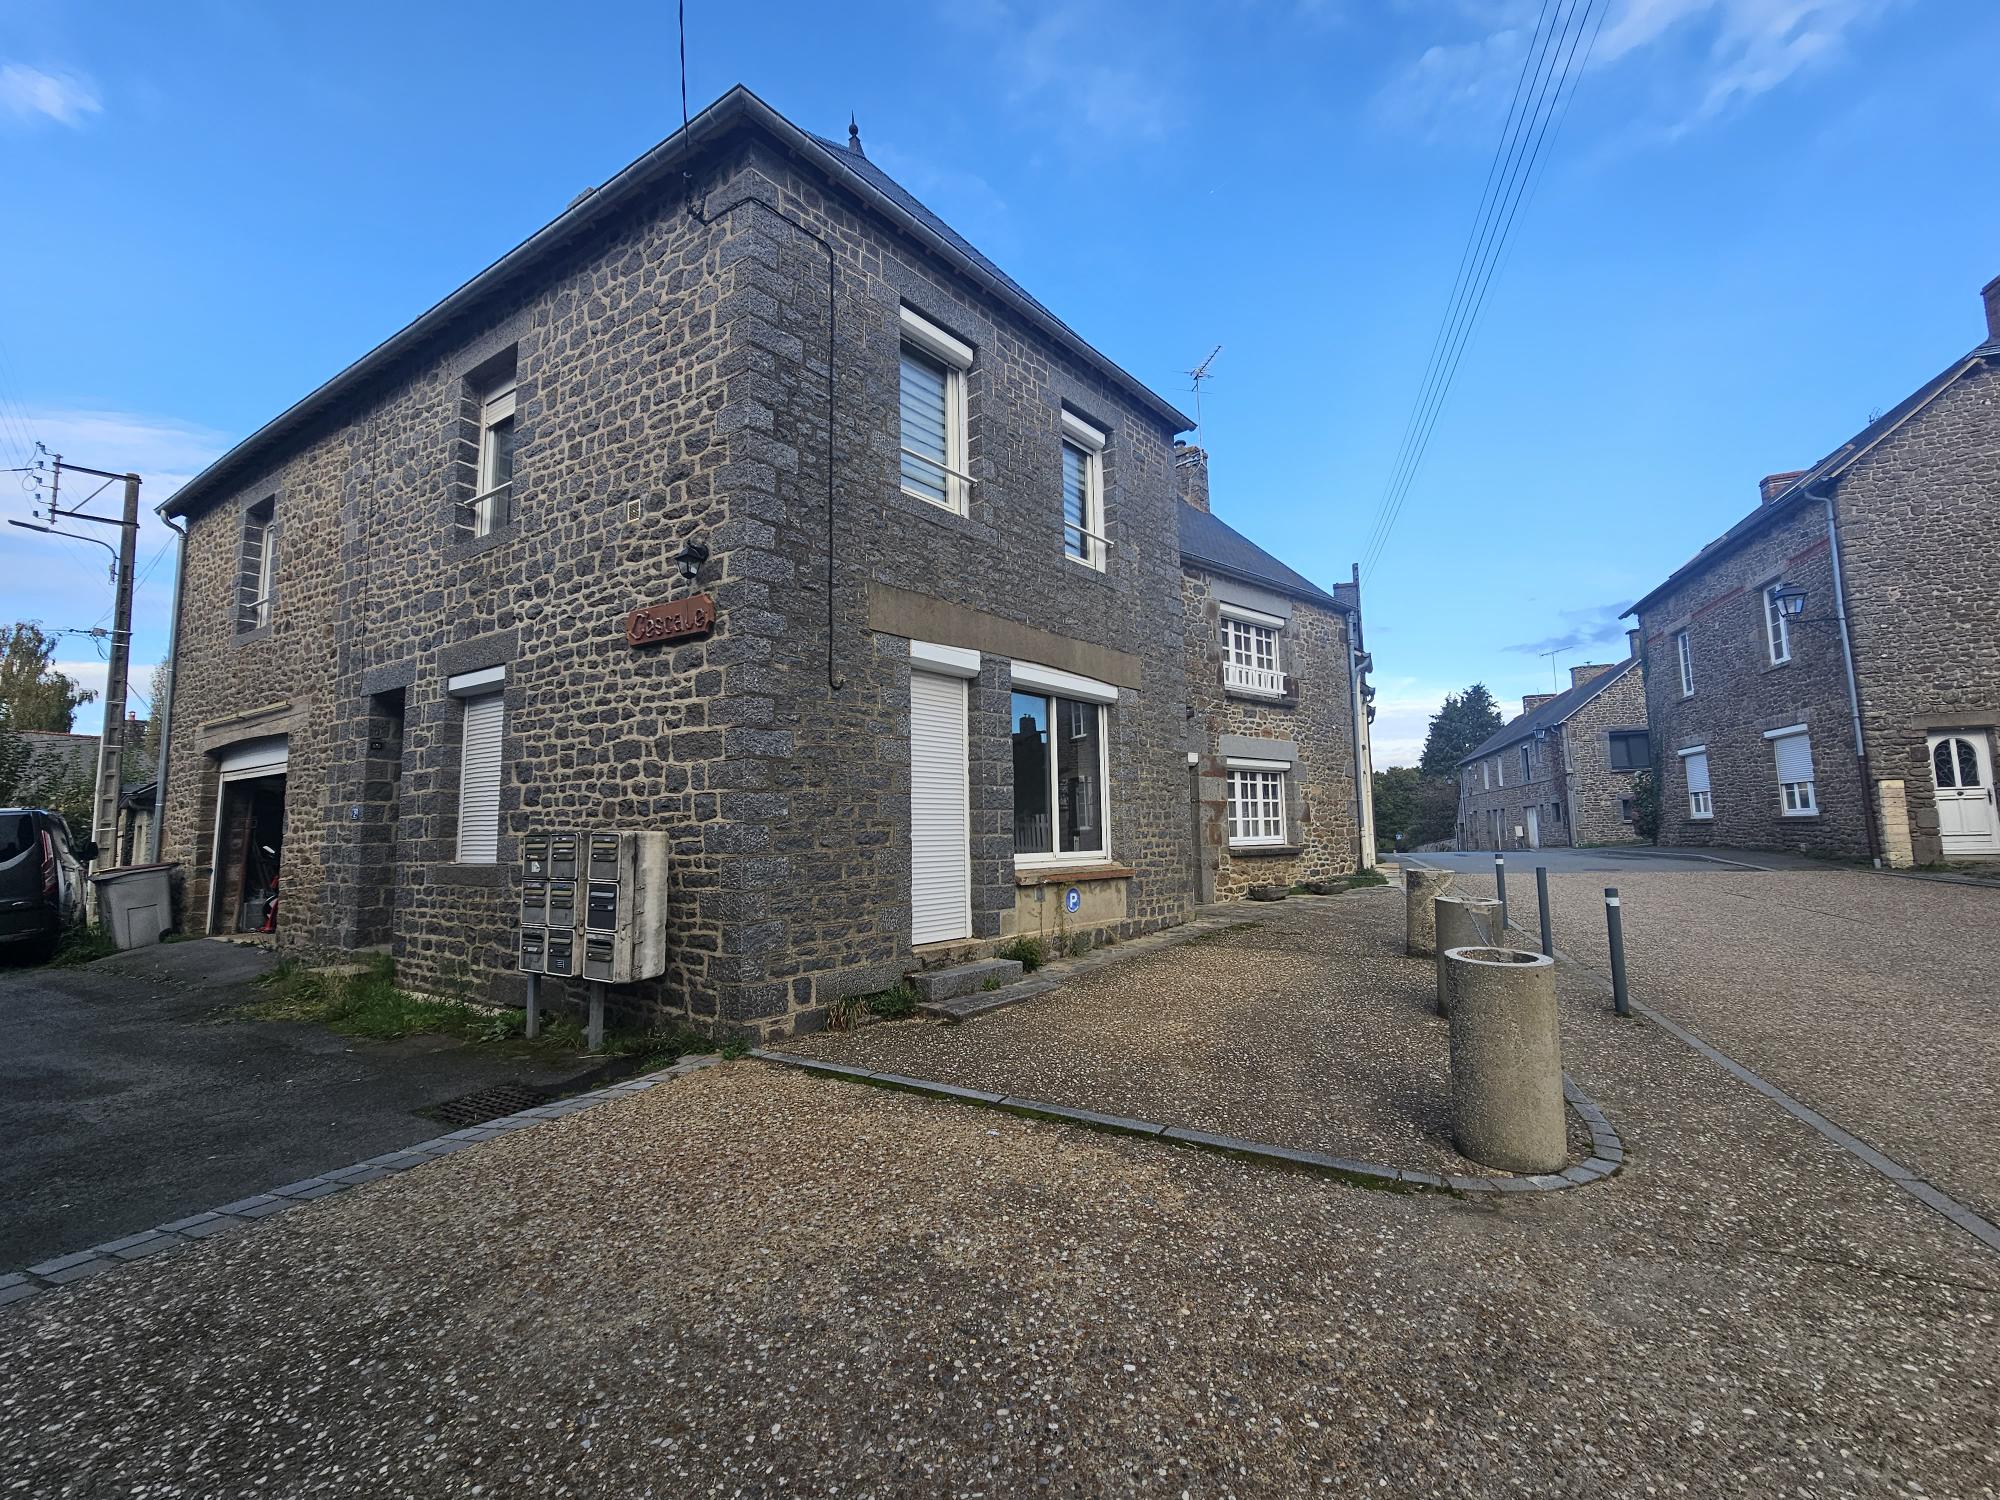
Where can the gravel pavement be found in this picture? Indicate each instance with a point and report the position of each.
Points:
(753, 1282)
(1308, 1029)
(1874, 1000)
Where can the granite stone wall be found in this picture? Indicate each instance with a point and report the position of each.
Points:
(673, 382)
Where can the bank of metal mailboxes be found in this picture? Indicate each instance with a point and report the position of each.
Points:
(594, 905)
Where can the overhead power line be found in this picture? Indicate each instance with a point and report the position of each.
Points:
(1557, 53)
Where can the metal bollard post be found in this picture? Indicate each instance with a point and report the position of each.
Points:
(1542, 895)
(594, 1033)
(1615, 925)
(1500, 882)
(533, 1028)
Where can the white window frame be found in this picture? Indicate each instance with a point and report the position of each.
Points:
(1684, 648)
(258, 607)
(1486, 775)
(1089, 443)
(1701, 805)
(1500, 770)
(470, 688)
(494, 499)
(1777, 630)
(953, 357)
(1051, 683)
(1245, 669)
(1527, 761)
(1796, 799)
(1271, 774)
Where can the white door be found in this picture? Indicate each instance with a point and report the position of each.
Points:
(940, 820)
(1534, 828)
(1962, 768)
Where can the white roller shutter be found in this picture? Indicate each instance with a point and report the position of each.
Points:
(1697, 770)
(940, 823)
(479, 781)
(1794, 753)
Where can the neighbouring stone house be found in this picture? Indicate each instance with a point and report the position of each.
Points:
(1559, 775)
(1825, 676)
(1277, 685)
(919, 677)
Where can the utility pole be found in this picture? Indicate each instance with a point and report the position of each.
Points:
(111, 746)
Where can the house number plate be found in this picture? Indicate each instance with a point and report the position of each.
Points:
(676, 620)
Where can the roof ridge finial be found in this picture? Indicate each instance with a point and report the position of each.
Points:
(854, 135)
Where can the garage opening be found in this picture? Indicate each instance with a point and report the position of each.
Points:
(249, 838)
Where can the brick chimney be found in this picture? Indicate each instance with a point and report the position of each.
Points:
(1532, 701)
(1632, 644)
(1191, 474)
(1578, 676)
(1773, 485)
(1990, 294)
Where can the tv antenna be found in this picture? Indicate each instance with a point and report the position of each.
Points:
(1198, 374)
(1552, 655)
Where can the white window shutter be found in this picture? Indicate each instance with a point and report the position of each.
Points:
(479, 780)
(1795, 761)
(1697, 772)
(940, 817)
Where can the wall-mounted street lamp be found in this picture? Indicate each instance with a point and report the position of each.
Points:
(691, 556)
(1792, 600)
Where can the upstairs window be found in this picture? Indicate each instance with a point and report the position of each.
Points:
(1777, 630)
(493, 505)
(1686, 654)
(1083, 492)
(1250, 652)
(1486, 775)
(1630, 750)
(1499, 770)
(1527, 763)
(933, 414)
(257, 570)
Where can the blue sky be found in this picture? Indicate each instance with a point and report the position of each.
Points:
(1762, 221)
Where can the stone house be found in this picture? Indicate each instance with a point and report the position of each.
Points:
(1559, 775)
(1825, 676)
(745, 502)
(1278, 693)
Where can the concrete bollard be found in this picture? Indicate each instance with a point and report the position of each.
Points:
(1422, 887)
(1506, 1059)
(1462, 922)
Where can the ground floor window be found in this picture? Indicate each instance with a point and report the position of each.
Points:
(1256, 805)
(1701, 802)
(1792, 751)
(1059, 776)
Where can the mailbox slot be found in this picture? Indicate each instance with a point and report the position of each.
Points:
(597, 958)
(604, 857)
(534, 903)
(562, 857)
(601, 915)
(535, 856)
(534, 951)
(561, 953)
(562, 904)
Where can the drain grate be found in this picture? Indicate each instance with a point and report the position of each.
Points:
(481, 1105)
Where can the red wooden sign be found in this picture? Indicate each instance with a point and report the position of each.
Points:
(676, 620)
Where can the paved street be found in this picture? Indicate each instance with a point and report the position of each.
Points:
(756, 1282)
(1871, 998)
(127, 1101)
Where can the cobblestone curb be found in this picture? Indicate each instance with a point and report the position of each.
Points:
(1607, 1151)
(62, 1270)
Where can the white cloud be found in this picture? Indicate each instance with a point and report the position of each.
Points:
(90, 672)
(1699, 57)
(1403, 710)
(1053, 56)
(30, 93)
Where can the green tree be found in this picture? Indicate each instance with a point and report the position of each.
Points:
(1646, 806)
(1465, 719)
(1423, 809)
(157, 699)
(53, 782)
(32, 692)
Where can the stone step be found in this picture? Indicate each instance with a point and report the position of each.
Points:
(979, 1002)
(964, 979)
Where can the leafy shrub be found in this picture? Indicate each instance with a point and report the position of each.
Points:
(1025, 951)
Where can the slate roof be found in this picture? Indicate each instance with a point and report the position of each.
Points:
(1547, 715)
(1215, 544)
(1831, 467)
(657, 173)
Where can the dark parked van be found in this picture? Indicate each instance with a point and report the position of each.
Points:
(41, 877)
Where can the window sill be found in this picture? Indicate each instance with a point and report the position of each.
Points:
(246, 637)
(943, 505)
(1251, 695)
(1085, 563)
(458, 873)
(1266, 851)
(1070, 874)
(464, 549)
(1797, 817)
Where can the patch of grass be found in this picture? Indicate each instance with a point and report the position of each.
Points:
(1025, 951)
(1362, 878)
(896, 1004)
(993, 982)
(81, 945)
